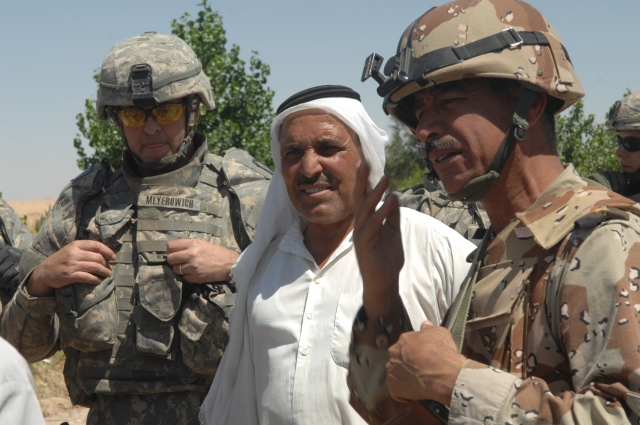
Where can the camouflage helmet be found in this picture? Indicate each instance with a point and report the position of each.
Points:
(625, 114)
(463, 39)
(149, 69)
(506, 39)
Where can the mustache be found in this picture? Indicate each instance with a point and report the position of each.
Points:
(320, 178)
(443, 143)
(155, 138)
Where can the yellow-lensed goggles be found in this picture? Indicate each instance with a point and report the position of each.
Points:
(162, 114)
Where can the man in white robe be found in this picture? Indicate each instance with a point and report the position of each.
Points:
(299, 286)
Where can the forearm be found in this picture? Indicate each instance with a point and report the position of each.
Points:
(482, 392)
(31, 325)
(368, 355)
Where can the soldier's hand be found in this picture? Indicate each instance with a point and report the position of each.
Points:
(378, 243)
(78, 262)
(424, 365)
(10, 277)
(200, 261)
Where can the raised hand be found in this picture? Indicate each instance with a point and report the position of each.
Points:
(378, 244)
(200, 261)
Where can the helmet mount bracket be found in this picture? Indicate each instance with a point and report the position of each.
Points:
(141, 83)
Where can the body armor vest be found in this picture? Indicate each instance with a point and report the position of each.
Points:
(144, 329)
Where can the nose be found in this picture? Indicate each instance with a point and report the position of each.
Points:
(151, 127)
(621, 152)
(430, 126)
(309, 165)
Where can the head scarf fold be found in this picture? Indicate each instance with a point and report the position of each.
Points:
(232, 398)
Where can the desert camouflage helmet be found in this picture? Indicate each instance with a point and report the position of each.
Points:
(149, 69)
(500, 39)
(625, 114)
(506, 39)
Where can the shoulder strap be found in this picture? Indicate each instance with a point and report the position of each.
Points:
(248, 181)
(456, 320)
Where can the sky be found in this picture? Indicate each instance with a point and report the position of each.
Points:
(50, 50)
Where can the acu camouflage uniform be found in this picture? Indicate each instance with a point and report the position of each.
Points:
(431, 199)
(142, 331)
(624, 115)
(552, 334)
(142, 346)
(15, 237)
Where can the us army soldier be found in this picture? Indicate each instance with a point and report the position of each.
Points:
(624, 119)
(129, 273)
(545, 329)
(15, 237)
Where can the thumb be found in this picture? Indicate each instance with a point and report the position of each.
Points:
(426, 325)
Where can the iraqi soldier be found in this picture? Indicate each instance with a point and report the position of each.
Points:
(129, 272)
(430, 198)
(15, 237)
(545, 329)
(624, 119)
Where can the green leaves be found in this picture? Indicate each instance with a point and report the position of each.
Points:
(403, 165)
(588, 145)
(243, 113)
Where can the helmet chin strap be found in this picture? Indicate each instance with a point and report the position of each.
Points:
(474, 190)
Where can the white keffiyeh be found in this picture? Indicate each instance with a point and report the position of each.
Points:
(232, 397)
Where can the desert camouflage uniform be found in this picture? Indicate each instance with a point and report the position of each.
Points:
(552, 335)
(432, 200)
(15, 237)
(142, 346)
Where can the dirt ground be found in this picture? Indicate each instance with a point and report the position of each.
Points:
(52, 392)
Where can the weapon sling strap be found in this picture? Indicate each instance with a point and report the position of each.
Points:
(456, 322)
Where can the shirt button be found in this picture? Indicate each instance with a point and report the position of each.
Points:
(309, 315)
(304, 351)
(317, 279)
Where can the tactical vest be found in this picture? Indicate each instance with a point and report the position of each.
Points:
(513, 283)
(144, 330)
(464, 218)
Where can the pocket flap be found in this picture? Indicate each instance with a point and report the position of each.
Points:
(348, 307)
(89, 295)
(497, 291)
(160, 291)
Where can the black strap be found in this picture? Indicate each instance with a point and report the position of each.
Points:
(448, 56)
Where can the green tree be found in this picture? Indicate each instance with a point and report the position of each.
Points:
(243, 113)
(588, 145)
(403, 165)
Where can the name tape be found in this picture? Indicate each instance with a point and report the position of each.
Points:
(169, 202)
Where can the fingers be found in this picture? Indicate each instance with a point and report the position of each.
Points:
(93, 268)
(393, 218)
(179, 245)
(368, 206)
(179, 257)
(95, 246)
(82, 277)
(360, 190)
(426, 325)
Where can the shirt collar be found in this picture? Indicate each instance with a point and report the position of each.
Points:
(293, 243)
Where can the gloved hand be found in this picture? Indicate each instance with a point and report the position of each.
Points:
(10, 277)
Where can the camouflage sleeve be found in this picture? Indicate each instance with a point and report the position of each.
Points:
(13, 231)
(30, 323)
(597, 319)
(367, 359)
